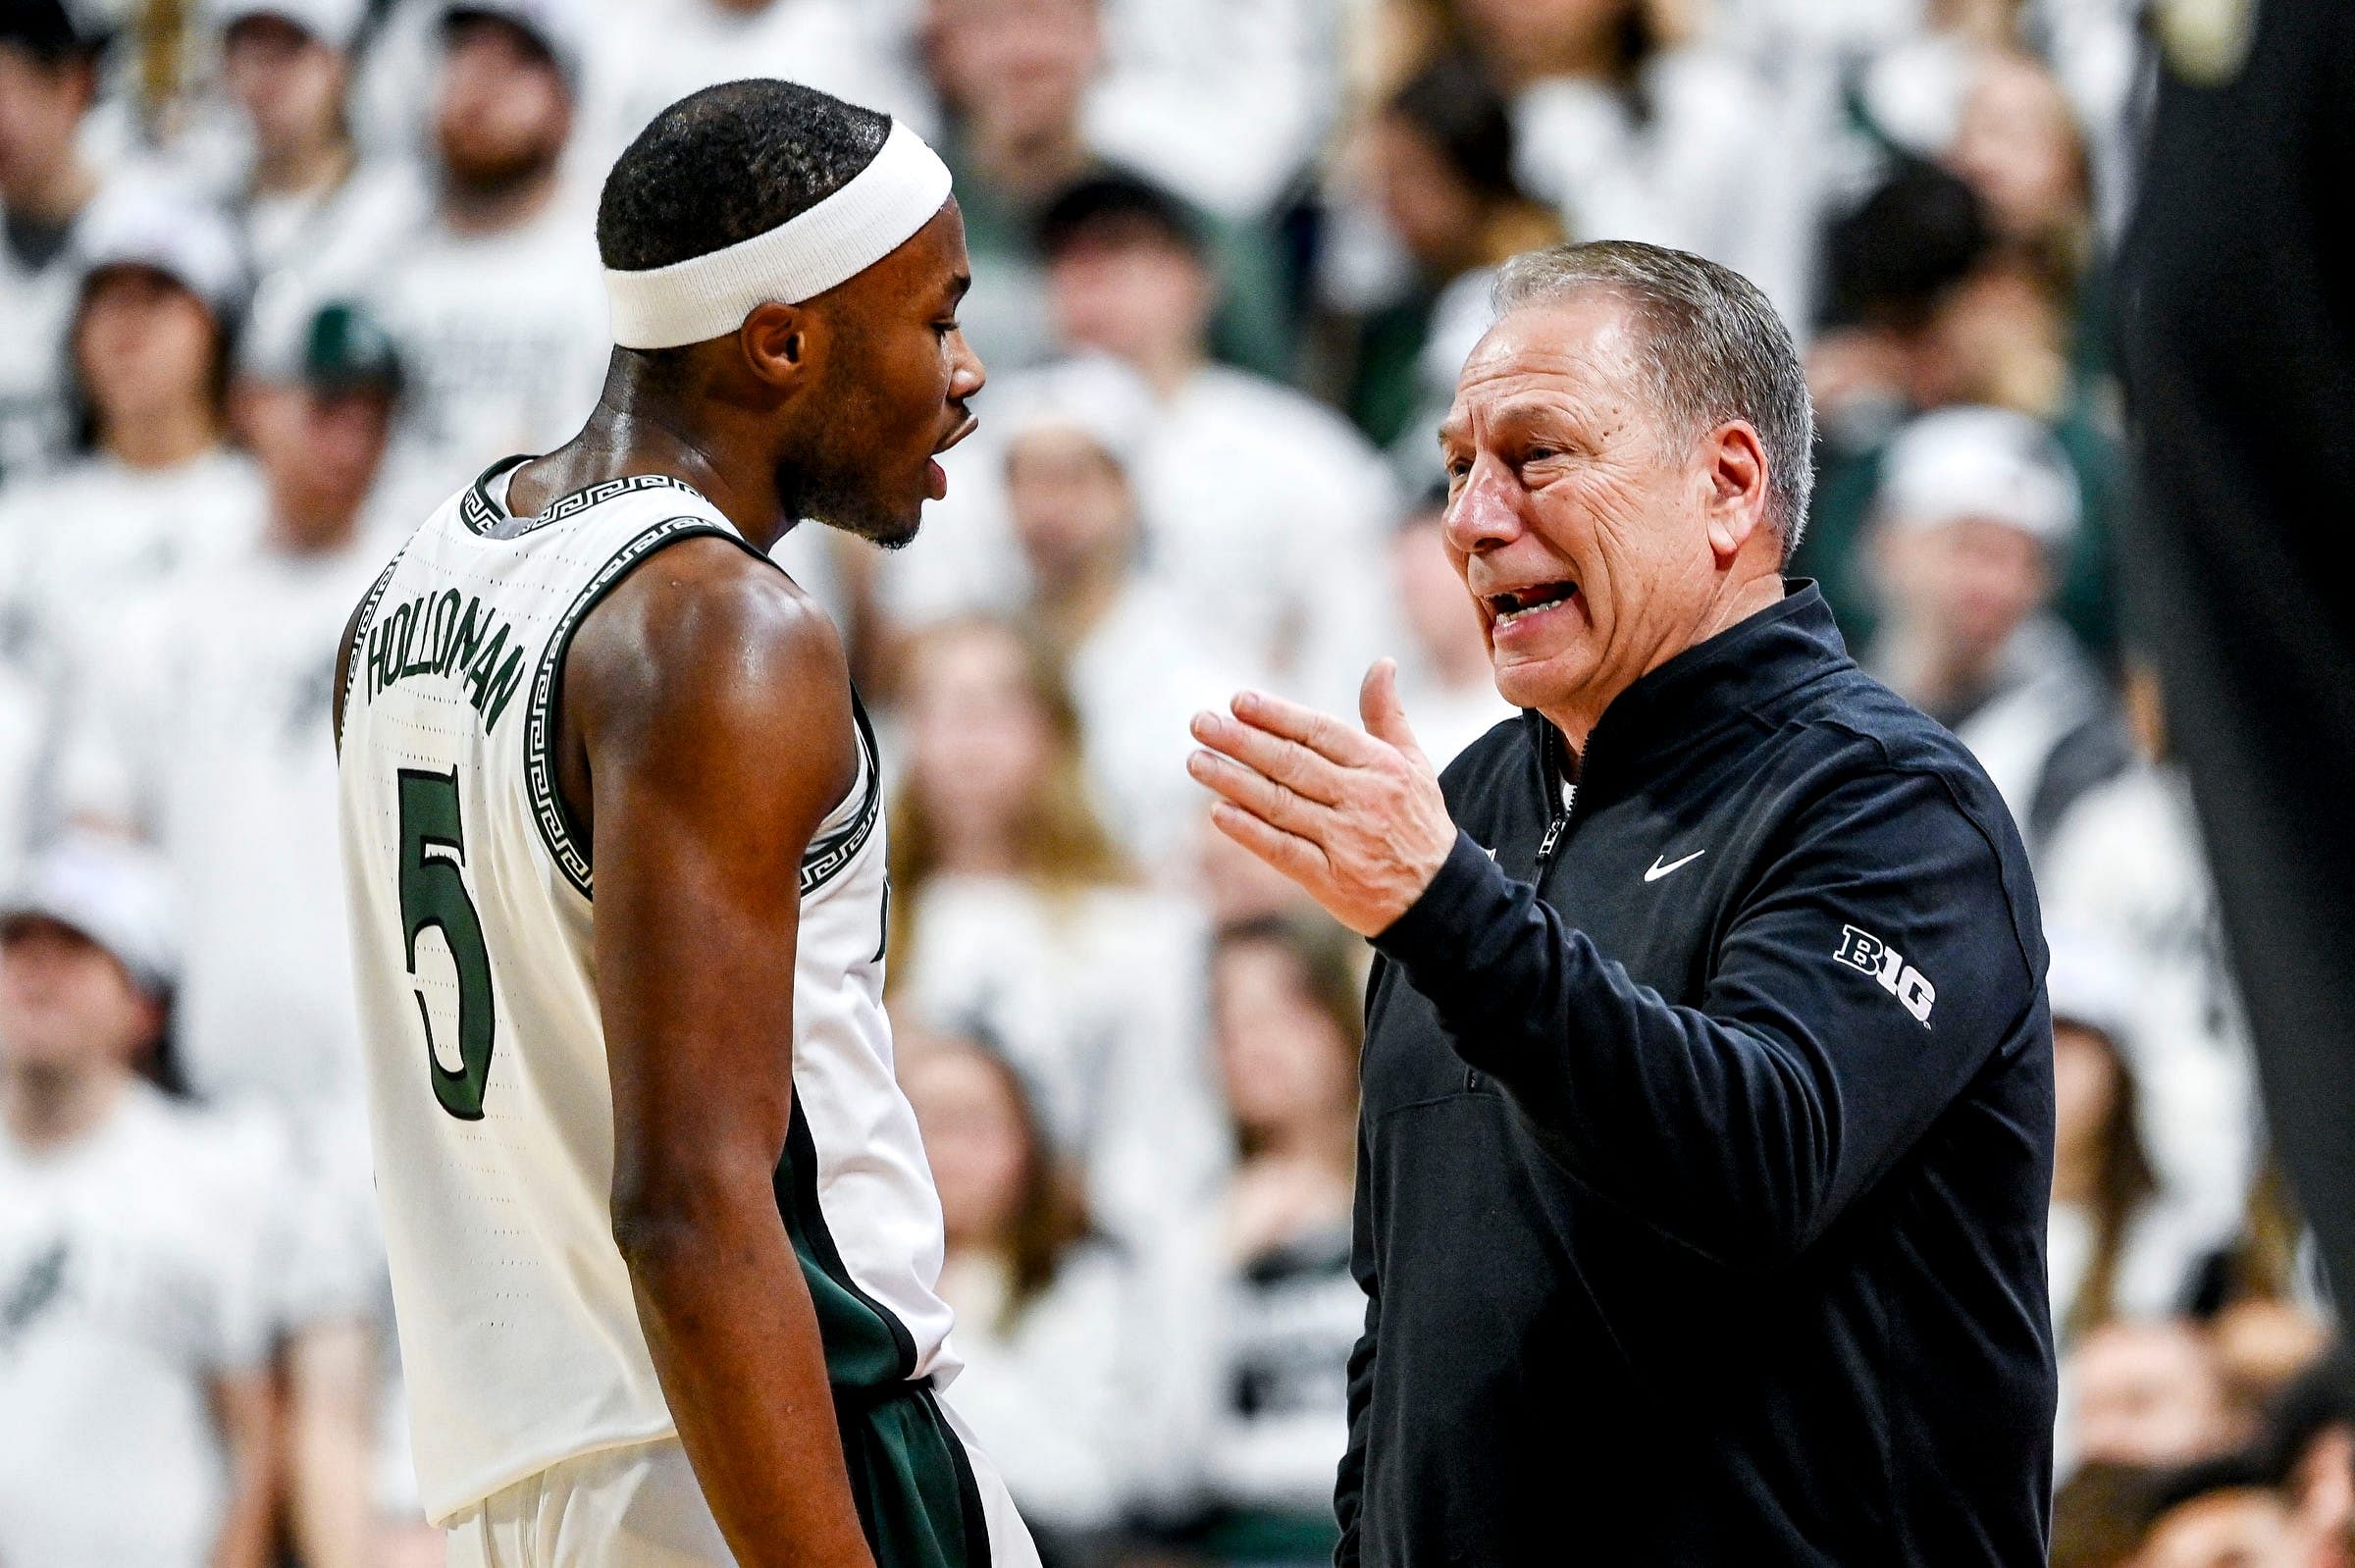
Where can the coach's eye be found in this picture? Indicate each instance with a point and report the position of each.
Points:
(944, 328)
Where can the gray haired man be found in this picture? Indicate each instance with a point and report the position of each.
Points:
(1707, 1108)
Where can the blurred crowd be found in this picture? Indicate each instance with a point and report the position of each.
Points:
(277, 275)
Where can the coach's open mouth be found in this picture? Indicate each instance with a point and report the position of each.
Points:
(1527, 600)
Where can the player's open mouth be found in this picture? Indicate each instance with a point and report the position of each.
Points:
(972, 422)
(1507, 608)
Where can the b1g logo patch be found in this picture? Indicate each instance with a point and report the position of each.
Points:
(1865, 951)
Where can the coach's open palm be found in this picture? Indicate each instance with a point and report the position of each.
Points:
(1355, 816)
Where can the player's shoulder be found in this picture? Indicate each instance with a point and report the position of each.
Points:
(708, 621)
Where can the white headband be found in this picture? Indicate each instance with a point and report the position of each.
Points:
(801, 258)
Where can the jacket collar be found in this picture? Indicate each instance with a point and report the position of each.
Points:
(1741, 671)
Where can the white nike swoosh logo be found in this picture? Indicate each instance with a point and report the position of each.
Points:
(1658, 871)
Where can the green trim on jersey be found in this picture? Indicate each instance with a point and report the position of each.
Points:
(489, 519)
(360, 625)
(829, 853)
(557, 831)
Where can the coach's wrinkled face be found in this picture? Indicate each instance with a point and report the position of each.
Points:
(891, 375)
(1577, 512)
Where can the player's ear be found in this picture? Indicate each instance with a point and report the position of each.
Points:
(775, 340)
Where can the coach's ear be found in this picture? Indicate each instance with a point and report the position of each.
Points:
(775, 340)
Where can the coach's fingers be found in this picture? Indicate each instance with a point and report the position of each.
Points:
(1385, 716)
(1321, 733)
(1287, 763)
(1295, 856)
(1262, 797)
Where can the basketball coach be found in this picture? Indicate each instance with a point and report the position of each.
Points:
(1708, 1111)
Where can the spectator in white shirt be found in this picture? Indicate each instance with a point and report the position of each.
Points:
(1286, 1007)
(1268, 510)
(1634, 133)
(136, 1421)
(159, 492)
(48, 78)
(1136, 666)
(204, 729)
(1976, 506)
(307, 201)
(496, 301)
(1054, 1324)
(1013, 914)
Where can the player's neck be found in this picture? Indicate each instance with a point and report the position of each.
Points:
(636, 429)
(45, 1107)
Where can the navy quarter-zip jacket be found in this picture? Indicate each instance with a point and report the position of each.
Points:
(1706, 1143)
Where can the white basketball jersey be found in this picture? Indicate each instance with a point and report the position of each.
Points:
(471, 906)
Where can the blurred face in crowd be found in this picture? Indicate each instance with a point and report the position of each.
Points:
(2018, 146)
(40, 109)
(1072, 505)
(1018, 68)
(2242, 1527)
(1963, 586)
(2086, 1082)
(319, 449)
(67, 1008)
(1526, 39)
(1434, 213)
(1598, 540)
(1282, 1058)
(146, 348)
(1132, 293)
(1431, 595)
(289, 84)
(975, 1138)
(981, 742)
(2148, 1393)
(504, 110)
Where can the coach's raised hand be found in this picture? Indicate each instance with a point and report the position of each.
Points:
(1354, 817)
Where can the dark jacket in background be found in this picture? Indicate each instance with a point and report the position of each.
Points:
(1706, 1144)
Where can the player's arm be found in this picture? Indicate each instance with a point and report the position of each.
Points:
(706, 730)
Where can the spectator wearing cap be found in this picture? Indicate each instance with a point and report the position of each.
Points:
(494, 299)
(48, 78)
(1130, 652)
(1931, 302)
(158, 490)
(198, 730)
(137, 1421)
(306, 201)
(1241, 469)
(1976, 510)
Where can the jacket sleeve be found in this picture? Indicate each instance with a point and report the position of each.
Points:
(1349, 1487)
(1869, 973)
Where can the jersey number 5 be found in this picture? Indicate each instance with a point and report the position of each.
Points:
(434, 897)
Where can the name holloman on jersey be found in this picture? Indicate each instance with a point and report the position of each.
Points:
(471, 894)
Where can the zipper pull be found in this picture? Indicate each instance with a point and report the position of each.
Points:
(1553, 837)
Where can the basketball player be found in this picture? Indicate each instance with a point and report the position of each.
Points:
(663, 1238)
